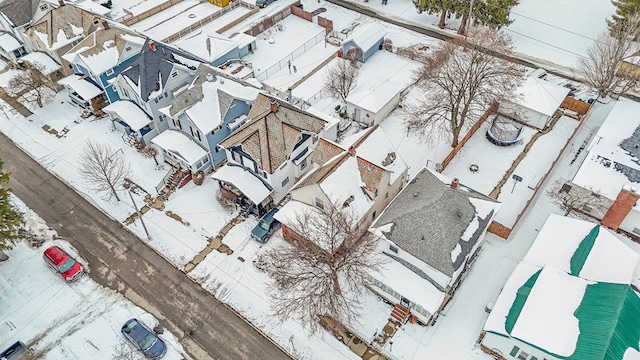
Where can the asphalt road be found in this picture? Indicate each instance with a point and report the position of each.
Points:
(119, 260)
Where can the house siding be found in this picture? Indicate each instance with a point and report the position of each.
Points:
(504, 346)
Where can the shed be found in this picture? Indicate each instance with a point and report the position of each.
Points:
(364, 41)
(535, 103)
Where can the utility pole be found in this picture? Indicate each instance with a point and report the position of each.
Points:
(468, 24)
(139, 215)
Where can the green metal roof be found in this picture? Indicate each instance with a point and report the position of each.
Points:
(609, 322)
(582, 252)
(518, 303)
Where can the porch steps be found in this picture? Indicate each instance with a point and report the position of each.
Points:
(131, 140)
(178, 179)
(400, 314)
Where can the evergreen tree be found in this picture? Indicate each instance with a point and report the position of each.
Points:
(442, 7)
(491, 13)
(624, 9)
(10, 218)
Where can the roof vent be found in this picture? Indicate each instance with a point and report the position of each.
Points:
(210, 77)
(352, 151)
(274, 105)
(391, 157)
(152, 45)
(454, 183)
(348, 201)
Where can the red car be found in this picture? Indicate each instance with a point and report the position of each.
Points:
(63, 264)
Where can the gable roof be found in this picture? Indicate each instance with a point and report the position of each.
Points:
(540, 95)
(270, 137)
(62, 25)
(101, 50)
(152, 69)
(437, 224)
(366, 35)
(19, 12)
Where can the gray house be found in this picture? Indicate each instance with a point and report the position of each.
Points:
(364, 41)
(431, 232)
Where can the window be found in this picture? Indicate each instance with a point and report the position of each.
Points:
(96, 21)
(191, 129)
(43, 7)
(198, 133)
(636, 231)
(285, 181)
(174, 74)
(373, 216)
(161, 117)
(128, 48)
(514, 351)
(523, 356)
(534, 358)
(386, 196)
(303, 164)
(319, 204)
(393, 248)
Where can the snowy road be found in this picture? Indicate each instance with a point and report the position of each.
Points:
(205, 327)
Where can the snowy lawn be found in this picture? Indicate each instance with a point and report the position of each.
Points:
(81, 320)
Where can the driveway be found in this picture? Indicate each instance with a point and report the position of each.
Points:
(205, 327)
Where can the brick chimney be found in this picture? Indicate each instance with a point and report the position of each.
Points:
(620, 208)
(454, 183)
(105, 24)
(61, 2)
(152, 45)
(352, 151)
(274, 105)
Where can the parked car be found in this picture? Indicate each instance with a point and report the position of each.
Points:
(266, 226)
(144, 339)
(63, 264)
(263, 3)
(16, 351)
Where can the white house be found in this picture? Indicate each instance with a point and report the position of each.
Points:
(535, 102)
(431, 233)
(364, 41)
(611, 168)
(569, 298)
(361, 176)
(380, 86)
(267, 155)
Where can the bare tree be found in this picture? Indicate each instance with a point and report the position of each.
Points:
(341, 78)
(33, 85)
(149, 151)
(125, 351)
(104, 169)
(584, 203)
(324, 272)
(604, 68)
(460, 83)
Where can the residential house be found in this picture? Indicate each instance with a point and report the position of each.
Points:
(535, 102)
(267, 154)
(152, 81)
(216, 49)
(378, 93)
(611, 170)
(571, 297)
(360, 179)
(209, 111)
(43, 62)
(364, 41)
(430, 233)
(60, 29)
(103, 54)
(15, 18)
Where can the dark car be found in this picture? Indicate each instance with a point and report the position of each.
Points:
(144, 339)
(263, 3)
(16, 351)
(63, 264)
(265, 227)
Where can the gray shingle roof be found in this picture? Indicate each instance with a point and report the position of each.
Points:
(429, 218)
(151, 66)
(19, 12)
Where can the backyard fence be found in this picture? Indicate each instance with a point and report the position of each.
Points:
(270, 21)
(493, 108)
(284, 62)
(130, 19)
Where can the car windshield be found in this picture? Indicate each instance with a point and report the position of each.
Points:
(147, 341)
(65, 266)
(264, 226)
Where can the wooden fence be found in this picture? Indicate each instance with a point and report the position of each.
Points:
(573, 104)
(130, 19)
(492, 109)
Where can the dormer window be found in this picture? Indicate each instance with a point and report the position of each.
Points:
(43, 7)
(174, 74)
(319, 204)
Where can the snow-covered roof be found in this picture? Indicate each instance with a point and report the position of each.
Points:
(180, 145)
(377, 149)
(607, 259)
(381, 78)
(207, 46)
(205, 114)
(9, 43)
(82, 87)
(540, 95)
(42, 59)
(130, 113)
(612, 161)
(143, 6)
(93, 7)
(366, 35)
(252, 187)
(547, 316)
(344, 182)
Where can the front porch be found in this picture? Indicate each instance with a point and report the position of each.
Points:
(179, 150)
(83, 92)
(243, 187)
(130, 119)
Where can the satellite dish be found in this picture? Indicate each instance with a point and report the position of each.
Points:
(439, 166)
